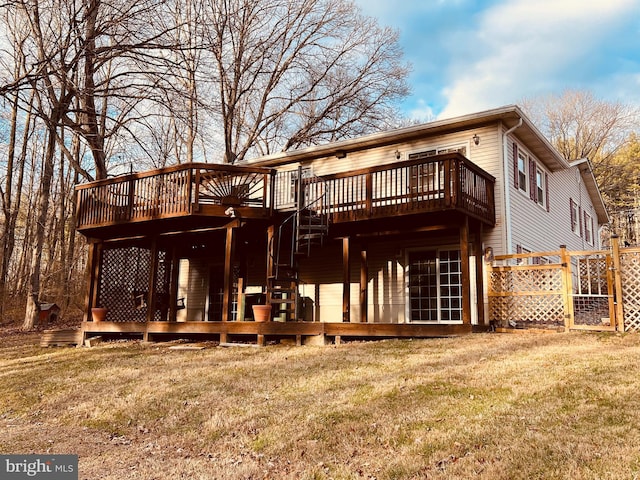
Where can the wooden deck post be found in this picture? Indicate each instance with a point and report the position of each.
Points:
(617, 281)
(270, 252)
(95, 255)
(173, 285)
(478, 252)
(229, 253)
(151, 296)
(364, 279)
(241, 300)
(346, 281)
(567, 291)
(466, 274)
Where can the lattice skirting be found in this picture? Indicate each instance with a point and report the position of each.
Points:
(526, 280)
(123, 285)
(630, 273)
(527, 310)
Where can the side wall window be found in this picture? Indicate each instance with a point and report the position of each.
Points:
(530, 178)
(522, 172)
(575, 216)
(588, 228)
(581, 222)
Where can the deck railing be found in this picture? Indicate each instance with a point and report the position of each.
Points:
(444, 182)
(171, 192)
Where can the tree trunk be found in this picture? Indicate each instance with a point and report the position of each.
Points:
(8, 233)
(11, 208)
(33, 304)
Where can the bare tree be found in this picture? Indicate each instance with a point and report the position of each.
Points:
(292, 73)
(170, 81)
(583, 126)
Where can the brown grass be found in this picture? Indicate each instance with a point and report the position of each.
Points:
(486, 406)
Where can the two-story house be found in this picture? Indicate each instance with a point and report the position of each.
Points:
(382, 235)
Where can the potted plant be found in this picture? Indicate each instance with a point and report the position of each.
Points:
(261, 313)
(98, 314)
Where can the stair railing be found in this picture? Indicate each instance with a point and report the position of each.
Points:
(310, 193)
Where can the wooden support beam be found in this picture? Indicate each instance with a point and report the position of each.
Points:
(466, 275)
(173, 284)
(346, 281)
(95, 256)
(241, 300)
(270, 252)
(407, 231)
(364, 284)
(153, 271)
(478, 252)
(229, 254)
(567, 281)
(617, 280)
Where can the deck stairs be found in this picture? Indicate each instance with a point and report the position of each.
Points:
(298, 235)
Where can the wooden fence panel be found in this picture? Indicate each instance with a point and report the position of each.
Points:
(526, 296)
(592, 295)
(582, 290)
(630, 283)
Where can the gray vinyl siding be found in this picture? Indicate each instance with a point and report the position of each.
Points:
(535, 228)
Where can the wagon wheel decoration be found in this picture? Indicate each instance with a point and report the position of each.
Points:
(226, 188)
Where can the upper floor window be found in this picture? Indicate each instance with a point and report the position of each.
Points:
(462, 149)
(530, 177)
(575, 217)
(522, 172)
(588, 228)
(427, 179)
(540, 187)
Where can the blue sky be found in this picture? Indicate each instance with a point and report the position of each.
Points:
(472, 55)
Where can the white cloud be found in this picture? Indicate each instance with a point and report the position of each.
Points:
(522, 47)
(422, 112)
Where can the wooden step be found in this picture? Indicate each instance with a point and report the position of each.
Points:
(60, 338)
(291, 301)
(310, 236)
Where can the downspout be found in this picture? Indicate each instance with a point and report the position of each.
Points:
(507, 196)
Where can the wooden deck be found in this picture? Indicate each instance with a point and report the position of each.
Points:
(256, 332)
(448, 182)
(186, 197)
(173, 193)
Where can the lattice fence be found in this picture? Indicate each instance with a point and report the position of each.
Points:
(526, 296)
(592, 292)
(123, 285)
(630, 277)
(589, 290)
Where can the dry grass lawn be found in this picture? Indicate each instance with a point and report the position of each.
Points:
(492, 406)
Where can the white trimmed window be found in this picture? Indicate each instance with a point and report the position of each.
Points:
(427, 179)
(588, 228)
(574, 212)
(522, 172)
(530, 178)
(540, 187)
